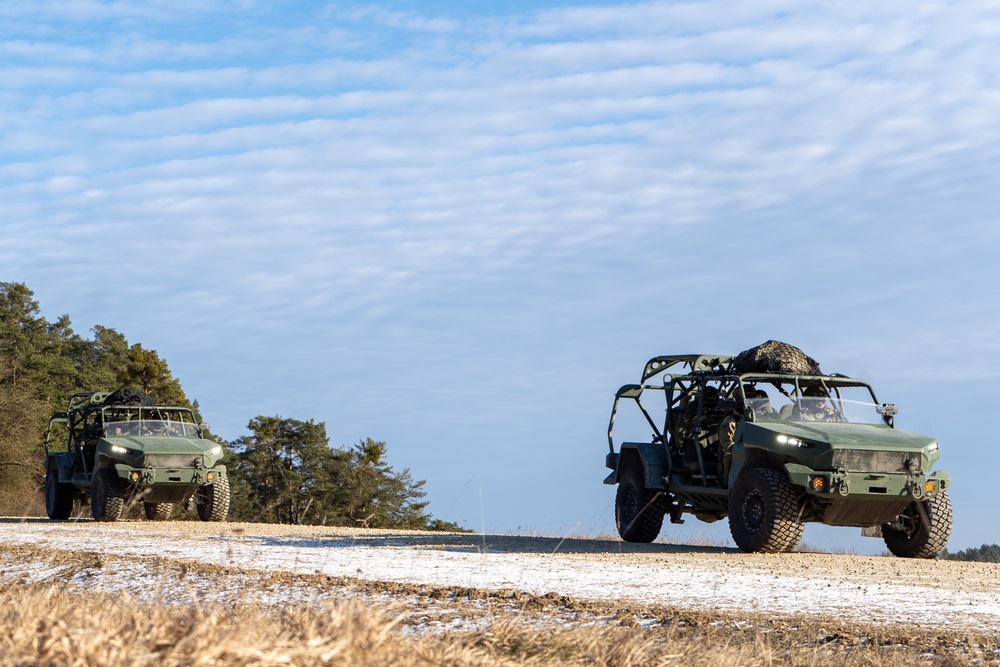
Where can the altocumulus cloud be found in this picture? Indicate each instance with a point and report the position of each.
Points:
(302, 202)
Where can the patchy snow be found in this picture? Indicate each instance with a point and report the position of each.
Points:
(863, 588)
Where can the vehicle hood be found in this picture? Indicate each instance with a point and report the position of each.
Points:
(856, 447)
(156, 444)
(847, 435)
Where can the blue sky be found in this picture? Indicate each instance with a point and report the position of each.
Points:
(459, 227)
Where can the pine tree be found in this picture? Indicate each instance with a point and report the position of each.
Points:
(375, 496)
(988, 553)
(22, 420)
(145, 370)
(286, 472)
(279, 471)
(32, 347)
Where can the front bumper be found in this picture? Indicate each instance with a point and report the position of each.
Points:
(183, 476)
(867, 485)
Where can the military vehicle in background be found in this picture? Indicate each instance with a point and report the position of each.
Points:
(121, 448)
(767, 440)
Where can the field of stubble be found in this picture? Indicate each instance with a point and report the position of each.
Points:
(137, 593)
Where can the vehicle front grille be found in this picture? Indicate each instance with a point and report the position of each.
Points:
(855, 460)
(171, 460)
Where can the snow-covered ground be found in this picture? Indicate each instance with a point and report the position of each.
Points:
(943, 594)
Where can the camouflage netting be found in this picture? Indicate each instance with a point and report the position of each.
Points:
(775, 357)
(128, 396)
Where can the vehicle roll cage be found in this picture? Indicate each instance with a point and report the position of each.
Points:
(84, 404)
(702, 368)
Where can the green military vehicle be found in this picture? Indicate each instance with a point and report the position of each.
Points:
(121, 448)
(772, 451)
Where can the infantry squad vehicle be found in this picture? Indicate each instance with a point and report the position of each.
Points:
(121, 448)
(772, 451)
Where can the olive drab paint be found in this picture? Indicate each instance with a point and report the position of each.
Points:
(773, 451)
(119, 452)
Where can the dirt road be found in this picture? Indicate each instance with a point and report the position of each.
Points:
(943, 594)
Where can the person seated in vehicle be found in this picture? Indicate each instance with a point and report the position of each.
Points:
(815, 406)
(760, 403)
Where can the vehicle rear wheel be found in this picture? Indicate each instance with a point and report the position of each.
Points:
(107, 499)
(762, 511)
(213, 500)
(910, 537)
(638, 511)
(158, 511)
(58, 496)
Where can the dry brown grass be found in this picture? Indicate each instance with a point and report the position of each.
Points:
(350, 621)
(50, 624)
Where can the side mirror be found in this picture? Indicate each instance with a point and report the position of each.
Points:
(888, 409)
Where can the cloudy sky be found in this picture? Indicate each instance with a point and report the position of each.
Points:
(459, 227)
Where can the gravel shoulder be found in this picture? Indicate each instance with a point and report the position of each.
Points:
(944, 595)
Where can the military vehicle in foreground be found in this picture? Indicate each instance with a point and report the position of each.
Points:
(121, 448)
(767, 440)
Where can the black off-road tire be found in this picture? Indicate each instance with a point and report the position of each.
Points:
(763, 507)
(107, 498)
(158, 511)
(795, 536)
(58, 497)
(920, 540)
(213, 500)
(638, 511)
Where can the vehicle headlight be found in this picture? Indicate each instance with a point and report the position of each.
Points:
(118, 449)
(793, 442)
(931, 448)
(215, 451)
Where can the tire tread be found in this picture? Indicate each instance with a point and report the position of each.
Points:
(781, 531)
(926, 542)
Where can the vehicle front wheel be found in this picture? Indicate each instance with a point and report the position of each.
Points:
(58, 497)
(638, 511)
(213, 500)
(910, 536)
(762, 512)
(158, 511)
(107, 498)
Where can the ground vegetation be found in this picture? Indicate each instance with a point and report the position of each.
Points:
(285, 471)
(988, 553)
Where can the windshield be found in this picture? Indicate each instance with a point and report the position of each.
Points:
(140, 427)
(816, 409)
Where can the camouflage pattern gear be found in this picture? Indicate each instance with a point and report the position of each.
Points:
(129, 396)
(727, 438)
(775, 357)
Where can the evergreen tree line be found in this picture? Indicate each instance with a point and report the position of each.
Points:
(988, 553)
(283, 472)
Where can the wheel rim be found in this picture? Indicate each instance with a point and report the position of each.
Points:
(753, 511)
